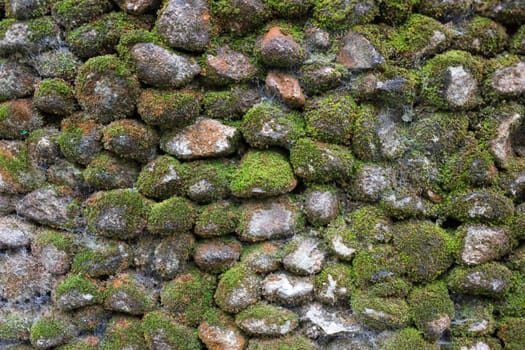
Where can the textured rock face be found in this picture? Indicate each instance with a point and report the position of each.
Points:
(262, 174)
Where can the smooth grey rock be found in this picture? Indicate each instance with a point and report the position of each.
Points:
(357, 53)
(216, 255)
(287, 289)
(15, 232)
(137, 7)
(482, 244)
(461, 88)
(327, 321)
(305, 256)
(509, 80)
(321, 206)
(161, 67)
(389, 135)
(184, 24)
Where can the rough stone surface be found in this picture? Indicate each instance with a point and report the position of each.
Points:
(510, 80)
(280, 50)
(305, 257)
(286, 289)
(357, 53)
(137, 7)
(321, 206)
(482, 244)
(326, 321)
(15, 232)
(286, 87)
(229, 67)
(221, 337)
(216, 255)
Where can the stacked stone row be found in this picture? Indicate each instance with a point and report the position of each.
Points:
(249, 174)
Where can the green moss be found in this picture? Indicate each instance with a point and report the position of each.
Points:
(17, 170)
(217, 219)
(315, 80)
(14, 329)
(377, 264)
(430, 303)
(217, 173)
(290, 342)
(471, 313)
(131, 139)
(338, 231)
(168, 109)
(370, 224)
(137, 299)
(321, 163)
(101, 261)
(81, 344)
(479, 206)
(517, 43)
(232, 279)
(62, 241)
(78, 284)
(483, 36)
(5, 24)
(163, 177)
(502, 61)
(156, 325)
(226, 15)
(391, 287)
(76, 132)
(433, 77)
(408, 338)
(512, 332)
(380, 313)
(513, 302)
(52, 87)
(411, 40)
(49, 328)
(4, 110)
(340, 14)
(189, 297)
(267, 312)
(289, 126)
(262, 174)
(72, 13)
(380, 36)
(123, 332)
(289, 8)
(107, 172)
(102, 65)
(423, 248)
(132, 207)
(41, 28)
(171, 216)
(491, 279)
(395, 12)
(331, 118)
(344, 277)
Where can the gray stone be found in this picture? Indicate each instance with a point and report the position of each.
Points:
(24, 9)
(58, 63)
(461, 88)
(171, 255)
(280, 50)
(228, 67)
(54, 260)
(64, 173)
(130, 293)
(509, 81)
(15, 232)
(264, 258)
(16, 80)
(508, 120)
(29, 37)
(318, 37)
(43, 146)
(216, 255)
(357, 53)
(265, 320)
(101, 257)
(238, 288)
(389, 135)
(160, 67)
(286, 289)
(184, 24)
(137, 7)
(402, 204)
(263, 220)
(305, 256)
(8, 203)
(204, 139)
(482, 243)
(371, 181)
(328, 322)
(20, 118)
(321, 206)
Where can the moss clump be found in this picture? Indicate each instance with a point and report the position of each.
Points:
(55, 96)
(76, 291)
(417, 39)
(189, 297)
(428, 304)
(339, 14)
(230, 104)
(168, 109)
(162, 178)
(16, 169)
(123, 332)
(79, 139)
(160, 328)
(72, 13)
(107, 172)
(331, 118)
(395, 12)
(318, 162)
(391, 287)
(513, 302)
(482, 36)
(234, 279)
(131, 139)
(380, 313)
(289, 8)
(479, 206)
(50, 332)
(379, 263)
(334, 283)
(496, 88)
(60, 240)
(171, 216)
(59, 63)
(130, 38)
(491, 279)
(54, 87)
(291, 342)
(237, 19)
(319, 76)
(128, 209)
(14, 328)
(517, 44)
(101, 36)
(434, 76)
(263, 174)
(370, 225)
(217, 219)
(274, 317)
(266, 124)
(424, 248)
(408, 338)
(102, 260)
(341, 239)
(512, 332)
(209, 180)
(128, 293)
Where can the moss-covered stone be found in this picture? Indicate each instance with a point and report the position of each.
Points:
(370, 225)
(479, 206)
(171, 255)
(408, 338)
(189, 297)
(209, 180)
(513, 302)
(335, 283)
(473, 318)
(395, 12)
(108, 172)
(58, 63)
(230, 104)
(320, 76)
(291, 342)
(425, 249)
(129, 294)
(289, 8)
(55, 96)
(238, 288)
(264, 319)
(338, 15)
(217, 219)
(72, 13)
(18, 118)
(17, 171)
(123, 332)
(120, 213)
(431, 309)
(263, 174)
(160, 330)
(266, 125)
(171, 216)
(482, 36)
(380, 313)
(76, 291)
(32, 36)
(512, 332)
(231, 16)
(500, 78)
(341, 239)
(318, 162)
(491, 279)
(162, 178)
(377, 264)
(331, 118)
(517, 43)
(131, 139)
(168, 109)
(14, 328)
(80, 138)
(50, 332)
(103, 258)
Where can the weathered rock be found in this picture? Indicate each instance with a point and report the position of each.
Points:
(108, 172)
(473, 318)
(130, 294)
(265, 320)
(204, 139)
(318, 37)
(160, 67)
(292, 340)
(171, 255)
(231, 104)
(162, 178)
(222, 336)
(43, 146)
(129, 333)
(482, 244)
(491, 279)
(320, 76)
(217, 255)
(23, 9)
(371, 182)
(185, 24)
(131, 139)
(287, 289)
(18, 118)
(240, 16)
(280, 50)
(217, 219)
(71, 14)
(334, 283)
(55, 250)
(403, 204)
(328, 322)
(303, 256)
(58, 63)
(48, 332)
(380, 313)
(101, 257)
(506, 11)
(237, 289)
(17, 173)
(228, 67)
(509, 81)
(357, 53)
(137, 7)
(16, 80)
(286, 87)
(28, 37)
(80, 138)
(507, 120)
(64, 173)
(15, 232)
(480, 206)
(210, 180)
(161, 331)
(53, 207)
(321, 205)
(76, 292)
(8, 203)
(269, 219)
(263, 258)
